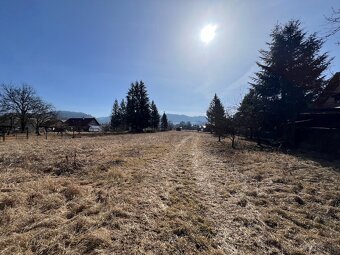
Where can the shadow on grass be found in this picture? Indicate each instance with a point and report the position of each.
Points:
(330, 160)
(324, 159)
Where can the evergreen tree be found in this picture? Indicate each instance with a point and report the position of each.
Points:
(182, 124)
(122, 115)
(115, 116)
(249, 114)
(290, 76)
(137, 108)
(155, 117)
(216, 117)
(164, 122)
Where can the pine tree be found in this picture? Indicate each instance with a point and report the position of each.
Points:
(290, 76)
(164, 122)
(216, 117)
(249, 114)
(155, 117)
(138, 107)
(115, 116)
(122, 115)
(131, 106)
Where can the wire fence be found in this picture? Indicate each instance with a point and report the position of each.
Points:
(18, 136)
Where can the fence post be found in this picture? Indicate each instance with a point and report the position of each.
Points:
(26, 133)
(3, 136)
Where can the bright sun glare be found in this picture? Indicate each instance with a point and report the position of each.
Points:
(208, 33)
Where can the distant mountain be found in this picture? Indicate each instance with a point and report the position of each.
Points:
(104, 120)
(64, 115)
(195, 120)
(174, 118)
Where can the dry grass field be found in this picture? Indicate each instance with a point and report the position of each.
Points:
(164, 193)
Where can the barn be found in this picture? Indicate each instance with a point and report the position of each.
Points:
(83, 124)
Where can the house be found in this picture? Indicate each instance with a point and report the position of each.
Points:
(8, 123)
(330, 97)
(5, 125)
(319, 128)
(94, 128)
(83, 124)
(55, 125)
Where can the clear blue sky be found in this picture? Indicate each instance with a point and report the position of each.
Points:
(80, 55)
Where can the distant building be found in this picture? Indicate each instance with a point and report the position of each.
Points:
(330, 97)
(7, 123)
(55, 125)
(95, 128)
(83, 124)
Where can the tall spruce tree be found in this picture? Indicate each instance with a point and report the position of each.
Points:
(164, 122)
(115, 116)
(216, 117)
(138, 107)
(291, 75)
(155, 117)
(248, 116)
(122, 115)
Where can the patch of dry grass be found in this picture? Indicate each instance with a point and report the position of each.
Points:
(164, 193)
(280, 203)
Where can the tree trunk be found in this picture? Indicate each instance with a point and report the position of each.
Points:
(37, 130)
(22, 124)
(259, 136)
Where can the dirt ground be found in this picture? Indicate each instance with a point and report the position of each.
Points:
(165, 193)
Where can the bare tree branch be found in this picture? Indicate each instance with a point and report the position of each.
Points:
(334, 23)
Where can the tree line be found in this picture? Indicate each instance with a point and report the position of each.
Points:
(135, 113)
(291, 76)
(20, 106)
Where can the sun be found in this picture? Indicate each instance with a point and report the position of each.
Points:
(208, 33)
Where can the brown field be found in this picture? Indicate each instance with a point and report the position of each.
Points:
(164, 193)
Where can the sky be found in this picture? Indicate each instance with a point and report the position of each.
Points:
(81, 55)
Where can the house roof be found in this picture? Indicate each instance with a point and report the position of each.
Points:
(81, 122)
(54, 123)
(331, 90)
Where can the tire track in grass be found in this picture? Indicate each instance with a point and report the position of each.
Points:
(232, 216)
(212, 179)
(151, 199)
(184, 226)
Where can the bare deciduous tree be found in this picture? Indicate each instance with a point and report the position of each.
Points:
(334, 22)
(23, 102)
(18, 100)
(42, 114)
